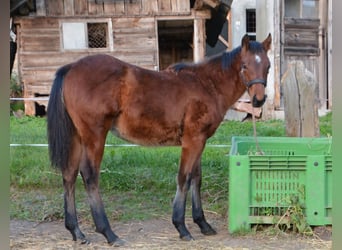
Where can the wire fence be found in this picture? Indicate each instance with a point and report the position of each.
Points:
(29, 98)
(106, 145)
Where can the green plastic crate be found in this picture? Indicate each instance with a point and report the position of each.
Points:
(261, 186)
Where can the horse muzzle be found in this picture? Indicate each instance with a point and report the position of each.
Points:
(256, 103)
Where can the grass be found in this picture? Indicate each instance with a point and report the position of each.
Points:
(136, 182)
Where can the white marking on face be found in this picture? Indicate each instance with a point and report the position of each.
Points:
(257, 59)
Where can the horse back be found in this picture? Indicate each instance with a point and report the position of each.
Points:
(139, 105)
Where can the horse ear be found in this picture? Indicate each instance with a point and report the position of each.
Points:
(245, 43)
(267, 42)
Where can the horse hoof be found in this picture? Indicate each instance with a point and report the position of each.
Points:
(85, 241)
(208, 231)
(118, 243)
(187, 237)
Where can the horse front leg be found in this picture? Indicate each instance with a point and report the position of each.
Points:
(90, 173)
(189, 156)
(179, 203)
(197, 210)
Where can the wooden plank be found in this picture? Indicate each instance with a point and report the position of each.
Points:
(183, 6)
(40, 8)
(39, 23)
(29, 106)
(94, 8)
(108, 7)
(133, 25)
(149, 7)
(301, 23)
(133, 8)
(134, 43)
(139, 59)
(198, 5)
(69, 8)
(212, 3)
(174, 6)
(243, 106)
(49, 59)
(47, 43)
(199, 39)
(119, 7)
(39, 32)
(180, 6)
(164, 6)
(54, 8)
(81, 7)
(301, 37)
(41, 75)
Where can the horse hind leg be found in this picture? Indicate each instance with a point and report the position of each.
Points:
(90, 169)
(69, 178)
(197, 211)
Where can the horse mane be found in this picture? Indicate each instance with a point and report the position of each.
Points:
(226, 58)
(177, 67)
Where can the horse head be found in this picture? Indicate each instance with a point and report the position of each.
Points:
(254, 68)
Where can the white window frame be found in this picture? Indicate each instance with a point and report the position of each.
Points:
(74, 37)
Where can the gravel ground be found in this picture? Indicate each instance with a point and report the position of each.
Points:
(158, 234)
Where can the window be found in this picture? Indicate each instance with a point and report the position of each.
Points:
(251, 24)
(86, 35)
(302, 8)
(97, 35)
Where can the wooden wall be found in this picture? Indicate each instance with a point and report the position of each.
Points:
(40, 51)
(112, 7)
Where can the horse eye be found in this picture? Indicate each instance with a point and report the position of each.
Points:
(268, 68)
(243, 66)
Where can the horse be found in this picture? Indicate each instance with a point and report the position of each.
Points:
(182, 105)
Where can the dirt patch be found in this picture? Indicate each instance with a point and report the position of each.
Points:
(157, 234)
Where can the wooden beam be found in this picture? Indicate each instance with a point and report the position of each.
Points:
(199, 39)
(211, 3)
(221, 38)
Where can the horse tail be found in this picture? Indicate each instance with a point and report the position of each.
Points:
(60, 128)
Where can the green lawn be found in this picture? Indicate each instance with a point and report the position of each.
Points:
(136, 182)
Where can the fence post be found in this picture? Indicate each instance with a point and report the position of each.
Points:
(300, 101)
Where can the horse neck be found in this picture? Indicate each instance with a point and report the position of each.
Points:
(225, 82)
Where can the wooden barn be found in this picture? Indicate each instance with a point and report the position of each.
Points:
(148, 33)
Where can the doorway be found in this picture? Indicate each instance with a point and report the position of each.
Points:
(175, 39)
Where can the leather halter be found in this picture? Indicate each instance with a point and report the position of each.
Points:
(252, 82)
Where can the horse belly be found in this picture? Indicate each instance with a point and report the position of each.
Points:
(148, 134)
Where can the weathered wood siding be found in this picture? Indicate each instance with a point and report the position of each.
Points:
(301, 43)
(40, 51)
(301, 36)
(113, 7)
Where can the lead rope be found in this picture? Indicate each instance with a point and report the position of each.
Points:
(259, 151)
